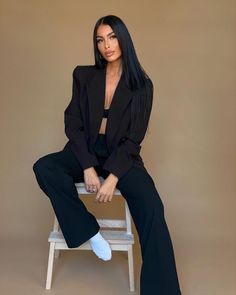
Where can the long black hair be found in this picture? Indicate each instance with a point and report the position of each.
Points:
(135, 76)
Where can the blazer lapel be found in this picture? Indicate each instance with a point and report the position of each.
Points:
(95, 88)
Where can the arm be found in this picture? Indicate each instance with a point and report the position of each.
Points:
(122, 157)
(74, 128)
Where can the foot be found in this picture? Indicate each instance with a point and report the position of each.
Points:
(100, 247)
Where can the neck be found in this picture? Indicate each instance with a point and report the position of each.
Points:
(114, 68)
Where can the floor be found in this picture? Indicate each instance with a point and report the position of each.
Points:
(204, 268)
(23, 271)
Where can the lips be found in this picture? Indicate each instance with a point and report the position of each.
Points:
(109, 53)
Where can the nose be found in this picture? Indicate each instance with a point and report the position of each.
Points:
(107, 44)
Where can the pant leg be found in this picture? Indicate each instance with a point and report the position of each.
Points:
(158, 272)
(56, 174)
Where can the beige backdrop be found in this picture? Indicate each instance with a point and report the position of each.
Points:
(188, 49)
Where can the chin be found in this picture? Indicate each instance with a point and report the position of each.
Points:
(112, 58)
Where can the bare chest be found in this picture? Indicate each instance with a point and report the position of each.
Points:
(110, 87)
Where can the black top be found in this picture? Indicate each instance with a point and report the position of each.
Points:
(105, 113)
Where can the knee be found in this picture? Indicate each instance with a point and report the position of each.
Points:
(41, 165)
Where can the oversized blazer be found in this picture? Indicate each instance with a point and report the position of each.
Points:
(83, 117)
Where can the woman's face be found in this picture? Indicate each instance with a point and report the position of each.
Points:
(107, 43)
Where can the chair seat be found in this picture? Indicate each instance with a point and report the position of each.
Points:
(80, 186)
(114, 237)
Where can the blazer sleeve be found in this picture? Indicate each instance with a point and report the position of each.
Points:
(74, 127)
(122, 157)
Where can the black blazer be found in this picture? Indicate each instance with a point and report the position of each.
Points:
(84, 114)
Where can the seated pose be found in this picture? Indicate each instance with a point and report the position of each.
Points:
(105, 122)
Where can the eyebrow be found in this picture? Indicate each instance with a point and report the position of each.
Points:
(107, 34)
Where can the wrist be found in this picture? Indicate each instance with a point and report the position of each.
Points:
(88, 169)
(113, 177)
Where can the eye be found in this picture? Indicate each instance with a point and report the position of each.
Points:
(113, 36)
(98, 40)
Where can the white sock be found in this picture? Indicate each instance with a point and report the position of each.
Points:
(100, 246)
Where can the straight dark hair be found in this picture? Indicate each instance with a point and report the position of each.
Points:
(136, 78)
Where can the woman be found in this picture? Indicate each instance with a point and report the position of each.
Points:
(105, 123)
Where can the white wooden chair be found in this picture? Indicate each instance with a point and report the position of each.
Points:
(119, 240)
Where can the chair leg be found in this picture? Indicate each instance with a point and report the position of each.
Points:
(50, 265)
(57, 253)
(131, 268)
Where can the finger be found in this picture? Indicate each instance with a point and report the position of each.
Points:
(94, 188)
(90, 189)
(98, 197)
(97, 200)
(101, 199)
(88, 185)
(109, 198)
(106, 198)
(87, 188)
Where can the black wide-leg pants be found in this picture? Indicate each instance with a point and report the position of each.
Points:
(56, 174)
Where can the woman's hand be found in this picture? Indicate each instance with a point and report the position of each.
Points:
(91, 179)
(107, 189)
